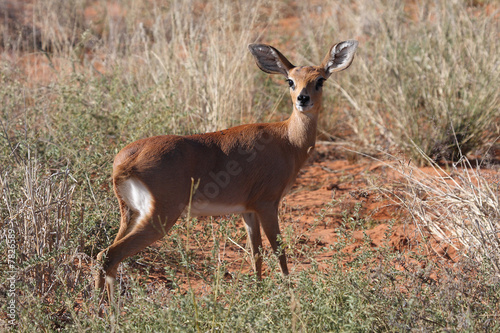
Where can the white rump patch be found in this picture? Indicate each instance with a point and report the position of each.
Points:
(137, 196)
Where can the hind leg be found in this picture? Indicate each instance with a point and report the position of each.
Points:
(144, 233)
(141, 236)
(127, 222)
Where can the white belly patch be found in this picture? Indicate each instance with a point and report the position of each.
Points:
(214, 209)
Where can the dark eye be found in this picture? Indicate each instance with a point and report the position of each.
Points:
(290, 83)
(319, 83)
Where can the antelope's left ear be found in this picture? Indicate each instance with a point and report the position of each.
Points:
(340, 56)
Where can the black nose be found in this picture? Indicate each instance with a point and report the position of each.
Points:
(303, 99)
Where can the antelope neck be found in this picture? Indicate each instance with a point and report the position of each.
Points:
(302, 128)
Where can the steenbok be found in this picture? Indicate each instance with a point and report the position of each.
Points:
(241, 170)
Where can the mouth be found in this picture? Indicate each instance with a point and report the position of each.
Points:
(304, 107)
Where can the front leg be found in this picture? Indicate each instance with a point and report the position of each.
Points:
(268, 216)
(252, 225)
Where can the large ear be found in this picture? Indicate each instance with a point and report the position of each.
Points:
(339, 57)
(270, 60)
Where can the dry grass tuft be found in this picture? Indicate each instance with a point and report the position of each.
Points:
(459, 205)
(426, 75)
(40, 218)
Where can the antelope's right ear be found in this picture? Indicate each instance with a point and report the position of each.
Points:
(270, 60)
